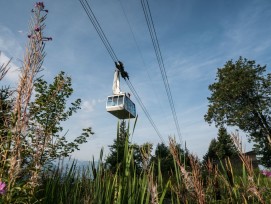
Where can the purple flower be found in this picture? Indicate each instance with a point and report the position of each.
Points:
(37, 28)
(266, 173)
(40, 5)
(2, 188)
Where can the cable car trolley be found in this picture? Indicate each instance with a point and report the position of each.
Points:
(119, 104)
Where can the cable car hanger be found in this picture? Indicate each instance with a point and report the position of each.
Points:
(120, 104)
(120, 67)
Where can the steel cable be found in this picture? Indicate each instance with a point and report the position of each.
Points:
(155, 42)
(111, 52)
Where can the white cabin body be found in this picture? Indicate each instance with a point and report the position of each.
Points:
(121, 106)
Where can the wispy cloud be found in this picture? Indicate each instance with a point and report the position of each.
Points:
(246, 35)
(13, 73)
(8, 43)
(89, 105)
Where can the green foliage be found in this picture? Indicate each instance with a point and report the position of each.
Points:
(163, 158)
(30, 127)
(42, 141)
(117, 148)
(221, 148)
(162, 155)
(72, 187)
(79, 185)
(241, 96)
(225, 146)
(116, 157)
(47, 112)
(6, 103)
(212, 152)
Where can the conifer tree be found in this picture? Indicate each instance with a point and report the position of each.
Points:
(117, 151)
(220, 148)
(115, 159)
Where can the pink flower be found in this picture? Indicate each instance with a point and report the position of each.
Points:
(266, 173)
(2, 188)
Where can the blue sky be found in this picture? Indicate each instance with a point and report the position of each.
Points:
(196, 37)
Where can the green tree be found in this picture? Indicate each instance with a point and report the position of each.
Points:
(116, 158)
(225, 146)
(163, 155)
(46, 112)
(212, 152)
(41, 140)
(241, 96)
(221, 148)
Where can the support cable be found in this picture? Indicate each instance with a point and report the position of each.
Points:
(155, 42)
(112, 54)
(98, 28)
(131, 87)
(141, 56)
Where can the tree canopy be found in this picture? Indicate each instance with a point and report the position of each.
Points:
(116, 158)
(163, 156)
(241, 96)
(222, 147)
(47, 112)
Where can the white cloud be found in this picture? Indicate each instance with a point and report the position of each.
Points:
(9, 48)
(13, 73)
(247, 36)
(88, 105)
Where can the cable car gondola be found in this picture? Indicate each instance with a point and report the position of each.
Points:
(119, 104)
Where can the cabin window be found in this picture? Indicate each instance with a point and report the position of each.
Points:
(120, 100)
(115, 101)
(129, 106)
(109, 101)
(133, 111)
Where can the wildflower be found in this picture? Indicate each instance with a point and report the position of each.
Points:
(2, 188)
(37, 28)
(266, 173)
(40, 5)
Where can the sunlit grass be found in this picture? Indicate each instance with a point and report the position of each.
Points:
(206, 183)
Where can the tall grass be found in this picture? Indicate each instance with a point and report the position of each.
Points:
(207, 183)
(17, 170)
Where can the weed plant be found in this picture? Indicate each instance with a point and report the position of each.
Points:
(205, 183)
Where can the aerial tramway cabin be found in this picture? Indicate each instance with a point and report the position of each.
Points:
(119, 104)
